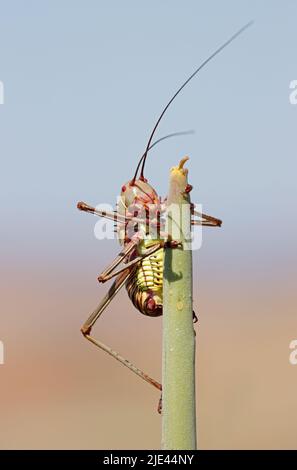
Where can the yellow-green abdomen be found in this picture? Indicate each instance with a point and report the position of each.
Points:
(145, 287)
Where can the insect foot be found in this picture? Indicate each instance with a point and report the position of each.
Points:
(160, 405)
(173, 244)
(188, 189)
(82, 206)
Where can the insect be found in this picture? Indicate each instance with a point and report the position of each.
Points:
(140, 222)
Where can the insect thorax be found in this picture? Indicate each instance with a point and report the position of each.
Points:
(140, 204)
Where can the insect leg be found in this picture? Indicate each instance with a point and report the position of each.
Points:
(207, 220)
(126, 251)
(148, 252)
(82, 206)
(86, 328)
(204, 223)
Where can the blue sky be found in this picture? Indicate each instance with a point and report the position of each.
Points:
(84, 83)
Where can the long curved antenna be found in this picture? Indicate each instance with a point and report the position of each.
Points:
(143, 159)
(174, 134)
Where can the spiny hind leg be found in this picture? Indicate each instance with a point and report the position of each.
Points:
(87, 327)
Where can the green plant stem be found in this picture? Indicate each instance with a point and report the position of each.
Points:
(178, 405)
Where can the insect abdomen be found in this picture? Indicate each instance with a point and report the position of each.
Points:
(145, 286)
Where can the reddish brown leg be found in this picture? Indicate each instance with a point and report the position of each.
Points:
(206, 220)
(87, 327)
(82, 206)
(109, 272)
(126, 251)
(103, 277)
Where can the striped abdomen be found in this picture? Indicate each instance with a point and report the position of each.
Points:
(145, 285)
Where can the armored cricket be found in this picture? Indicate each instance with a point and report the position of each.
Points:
(140, 225)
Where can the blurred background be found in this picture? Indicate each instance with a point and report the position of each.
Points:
(84, 83)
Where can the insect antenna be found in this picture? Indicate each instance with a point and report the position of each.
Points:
(174, 134)
(225, 44)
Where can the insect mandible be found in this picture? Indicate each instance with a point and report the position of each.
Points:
(140, 229)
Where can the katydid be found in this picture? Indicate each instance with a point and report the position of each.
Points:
(140, 218)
